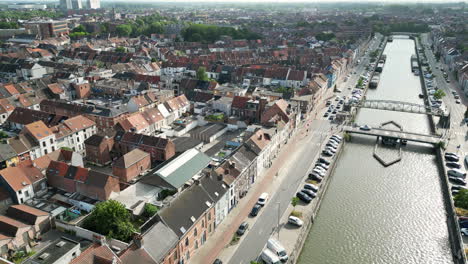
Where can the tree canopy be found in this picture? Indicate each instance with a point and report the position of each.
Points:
(210, 33)
(6, 25)
(201, 74)
(111, 218)
(461, 199)
(324, 36)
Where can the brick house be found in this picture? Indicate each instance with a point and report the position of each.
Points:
(160, 149)
(82, 90)
(248, 109)
(276, 112)
(98, 149)
(192, 218)
(40, 220)
(90, 183)
(131, 165)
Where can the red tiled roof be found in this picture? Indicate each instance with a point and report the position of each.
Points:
(240, 102)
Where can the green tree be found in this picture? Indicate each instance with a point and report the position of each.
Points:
(111, 218)
(149, 210)
(294, 201)
(201, 74)
(461, 199)
(439, 94)
(121, 49)
(124, 30)
(324, 36)
(79, 28)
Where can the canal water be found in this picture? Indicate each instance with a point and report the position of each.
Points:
(392, 215)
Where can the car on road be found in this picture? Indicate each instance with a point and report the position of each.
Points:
(255, 210)
(452, 158)
(331, 118)
(309, 192)
(327, 153)
(295, 221)
(459, 187)
(242, 228)
(334, 140)
(365, 128)
(217, 261)
(331, 149)
(326, 115)
(263, 199)
(331, 144)
(269, 257)
(457, 180)
(303, 197)
(457, 101)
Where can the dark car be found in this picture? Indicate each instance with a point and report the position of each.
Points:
(310, 193)
(452, 158)
(463, 223)
(457, 180)
(331, 144)
(255, 210)
(315, 177)
(324, 161)
(327, 153)
(452, 164)
(304, 197)
(242, 228)
(217, 261)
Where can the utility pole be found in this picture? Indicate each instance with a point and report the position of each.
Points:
(277, 227)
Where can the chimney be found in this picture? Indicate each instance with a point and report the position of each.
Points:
(138, 240)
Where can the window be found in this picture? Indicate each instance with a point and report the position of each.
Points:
(43, 143)
(45, 152)
(26, 194)
(195, 233)
(186, 242)
(77, 139)
(20, 192)
(53, 148)
(203, 223)
(196, 244)
(209, 216)
(51, 141)
(175, 255)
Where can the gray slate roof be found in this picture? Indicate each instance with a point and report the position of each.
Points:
(181, 169)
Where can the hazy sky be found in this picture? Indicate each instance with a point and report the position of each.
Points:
(296, 1)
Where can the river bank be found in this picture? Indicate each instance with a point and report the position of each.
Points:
(371, 212)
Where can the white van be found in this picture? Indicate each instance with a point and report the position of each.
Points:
(457, 173)
(276, 247)
(269, 257)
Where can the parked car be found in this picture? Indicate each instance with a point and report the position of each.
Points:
(331, 144)
(255, 210)
(457, 173)
(309, 192)
(315, 177)
(464, 231)
(303, 197)
(269, 257)
(451, 154)
(452, 158)
(310, 186)
(324, 161)
(217, 261)
(276, 247)
(452, 164)
(457, 180)
(242, 228)
(327, 153)
(295, 221)
(323, 165)
(262, 199)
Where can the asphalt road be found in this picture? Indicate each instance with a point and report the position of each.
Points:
(457, 111)
(254, 240)
(266, 222)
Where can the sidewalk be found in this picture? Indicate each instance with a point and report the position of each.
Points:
(215, 247)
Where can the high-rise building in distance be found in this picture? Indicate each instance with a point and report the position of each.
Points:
(76, 4)
(94, 4)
